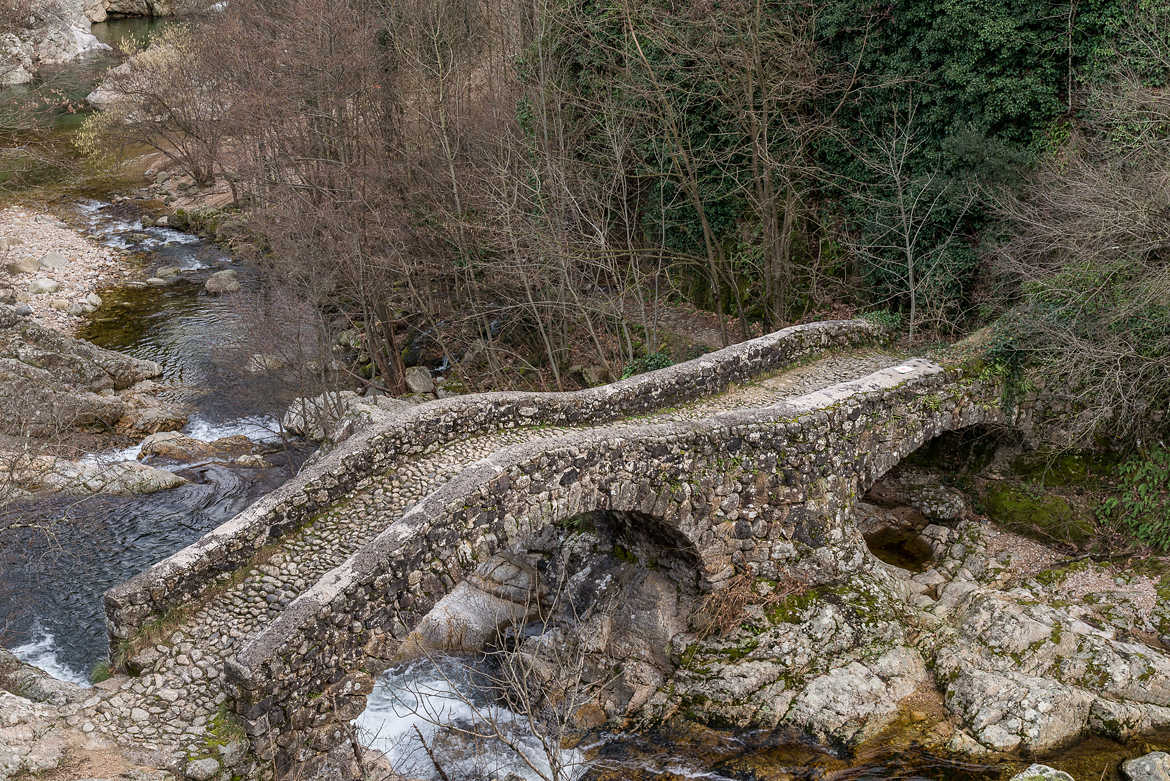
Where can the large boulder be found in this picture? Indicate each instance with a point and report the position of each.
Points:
(56, 31)
(1154, 766)
(33, 474)
(176, 446)
(221, 282)
(333, 416)
(51, 383)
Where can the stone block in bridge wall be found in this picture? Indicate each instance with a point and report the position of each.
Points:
(755, 489)
(188, 574)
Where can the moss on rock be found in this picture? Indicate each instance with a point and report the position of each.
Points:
(1048, 516)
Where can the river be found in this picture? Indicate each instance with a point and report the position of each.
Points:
(51, 601)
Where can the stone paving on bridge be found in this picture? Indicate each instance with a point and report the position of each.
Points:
(171, 707)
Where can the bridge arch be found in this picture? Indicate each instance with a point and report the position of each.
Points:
(759, 488)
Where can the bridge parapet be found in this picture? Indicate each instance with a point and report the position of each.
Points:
(758, 488)
(213, 559)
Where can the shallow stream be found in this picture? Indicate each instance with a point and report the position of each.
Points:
(51, 601)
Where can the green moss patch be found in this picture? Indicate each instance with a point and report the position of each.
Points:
(1045, 516)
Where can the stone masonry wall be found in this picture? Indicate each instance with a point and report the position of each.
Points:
(212, 559)
(761, 489)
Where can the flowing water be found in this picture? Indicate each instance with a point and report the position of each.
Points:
(50, 601)
(51, 587)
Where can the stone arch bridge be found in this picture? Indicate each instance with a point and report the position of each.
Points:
(752, 457)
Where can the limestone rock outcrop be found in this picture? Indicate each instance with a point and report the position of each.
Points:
(1020, 663)
(58, 31)
(51, 383)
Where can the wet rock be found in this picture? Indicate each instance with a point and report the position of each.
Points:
(42, 285)
(176, 446)
(419, 380)
(1154, 766)
(222, 282)
(93, 300)
(1042, 773)
(157, 281)
(165, 272)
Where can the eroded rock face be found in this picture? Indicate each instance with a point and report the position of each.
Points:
(43, 730)
(51, 383)
(1021, 661)
(833, 662)
(58, 32)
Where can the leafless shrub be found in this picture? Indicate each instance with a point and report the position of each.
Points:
(724, 609)
(1089, 258)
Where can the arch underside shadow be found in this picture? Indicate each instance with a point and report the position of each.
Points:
(746, 491)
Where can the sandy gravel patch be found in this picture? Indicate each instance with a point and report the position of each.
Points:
(32, 246)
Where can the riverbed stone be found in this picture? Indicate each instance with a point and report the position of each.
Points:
(43, 285)
(222, 282)
(1154, 766)
(26, 265)
(54, 261)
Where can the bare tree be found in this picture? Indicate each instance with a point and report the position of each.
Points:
(903, 209)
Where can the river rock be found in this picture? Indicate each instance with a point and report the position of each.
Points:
(1154, 766)
(1042, 773)
(502, 591)
(51, 383)
(54, 261)
(419, 380)
(222, 282)
(54, 33)
(164, 272)
(158, 281)
(331, 417)
(80, 477)
(93, 300)
(60, 304)
(251, 461)
(177, 446)
(42, 285)
(24, 265)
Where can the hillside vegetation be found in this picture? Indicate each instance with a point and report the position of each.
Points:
(530, 191)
